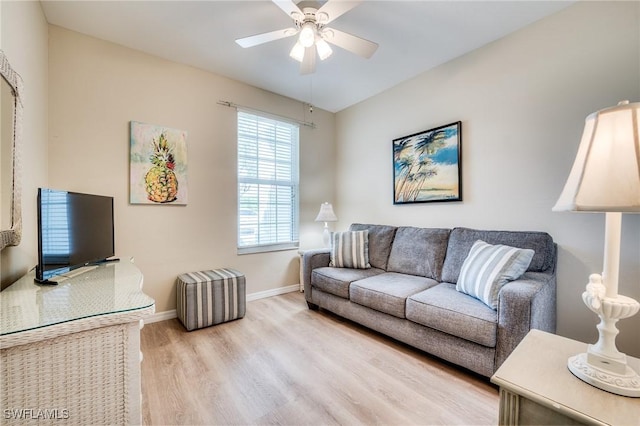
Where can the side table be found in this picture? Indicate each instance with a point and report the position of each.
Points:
(536, 387)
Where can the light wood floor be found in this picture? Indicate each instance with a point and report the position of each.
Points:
(285, 364)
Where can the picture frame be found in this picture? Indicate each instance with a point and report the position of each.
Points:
(158, 165)
(427, 166)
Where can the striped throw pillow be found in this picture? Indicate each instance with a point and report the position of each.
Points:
(350, 249)
(489, 267)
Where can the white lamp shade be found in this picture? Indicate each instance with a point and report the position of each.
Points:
(605, 176)
(307, 35)
(297, 52)
(326, 213)
(324, 50)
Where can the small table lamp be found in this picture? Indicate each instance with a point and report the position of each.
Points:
(326, 215)
(606, 178)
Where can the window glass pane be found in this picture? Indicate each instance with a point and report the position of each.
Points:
(267, 182)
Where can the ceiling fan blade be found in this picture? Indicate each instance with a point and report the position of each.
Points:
(308, 65)
(290, 8)
(257, 39)
(354, 44)
(335, 8)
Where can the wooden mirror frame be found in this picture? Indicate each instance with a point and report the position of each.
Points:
(12, 236)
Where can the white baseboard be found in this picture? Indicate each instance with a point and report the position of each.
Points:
(273, 292)
(161, 316)
(167, 315)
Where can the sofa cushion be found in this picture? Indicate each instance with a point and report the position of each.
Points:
(461, 240)
(380, 239)
(447, 310)
(388, 292)
(488, 268)
(350, 250)
(336, 280)
(419, 251)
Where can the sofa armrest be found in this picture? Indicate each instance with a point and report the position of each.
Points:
(523, 304)
(312, 259)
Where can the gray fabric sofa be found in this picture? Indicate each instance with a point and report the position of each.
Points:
(409, 293)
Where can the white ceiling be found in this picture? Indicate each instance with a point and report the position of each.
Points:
(414, 36)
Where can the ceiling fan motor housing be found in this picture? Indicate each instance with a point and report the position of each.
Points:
(311, 15)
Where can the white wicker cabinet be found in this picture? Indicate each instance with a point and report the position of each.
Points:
(70, 353)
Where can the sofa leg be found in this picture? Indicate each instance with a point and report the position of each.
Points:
(312, 306)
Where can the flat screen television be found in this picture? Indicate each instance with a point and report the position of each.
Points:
(74, 230)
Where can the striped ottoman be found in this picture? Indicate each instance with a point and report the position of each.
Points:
(210, 297)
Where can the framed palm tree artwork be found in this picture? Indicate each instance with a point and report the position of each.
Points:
(427, 166)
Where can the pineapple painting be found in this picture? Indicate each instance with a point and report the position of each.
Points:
(160, 181)
(158, 165)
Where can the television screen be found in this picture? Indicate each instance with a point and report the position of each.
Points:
(74, 230)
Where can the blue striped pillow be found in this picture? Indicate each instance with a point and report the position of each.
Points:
(350, 249)
(489, 267)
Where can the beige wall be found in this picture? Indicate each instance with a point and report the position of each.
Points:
(522, 101)
(24, 41)
(97, 88)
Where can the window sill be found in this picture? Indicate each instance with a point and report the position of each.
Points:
(267, 248)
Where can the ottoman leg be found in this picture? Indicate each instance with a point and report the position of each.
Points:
(312, 306)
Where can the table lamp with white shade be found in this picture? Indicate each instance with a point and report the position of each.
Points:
(605, 177)
(326, 215)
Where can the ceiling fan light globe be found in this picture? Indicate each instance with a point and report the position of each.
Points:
(324, 50)
(297, 52)
(307, 35)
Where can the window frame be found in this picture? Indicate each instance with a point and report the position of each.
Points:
(293, 182)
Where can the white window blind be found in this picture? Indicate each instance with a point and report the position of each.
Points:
(267, 183)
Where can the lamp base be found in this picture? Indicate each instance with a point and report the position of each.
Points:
(326, 236)
(626, 383)
(603, 366)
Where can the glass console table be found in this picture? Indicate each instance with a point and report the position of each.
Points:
(71, 352)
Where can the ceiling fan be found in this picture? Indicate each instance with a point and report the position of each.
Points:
(314, 36)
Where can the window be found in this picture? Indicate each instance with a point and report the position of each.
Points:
(267, 184)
